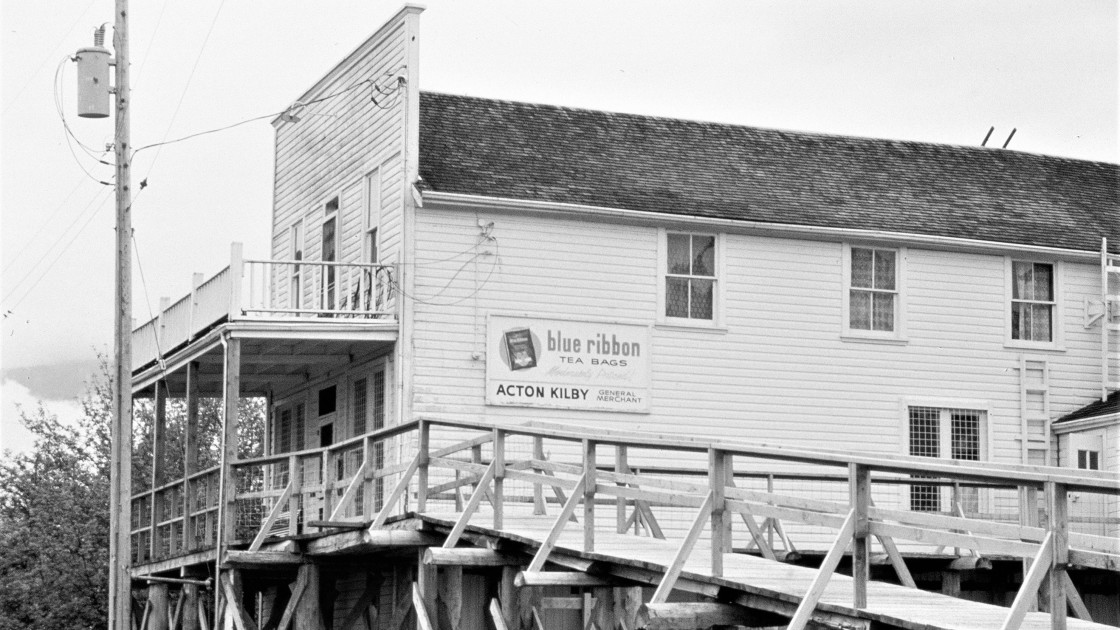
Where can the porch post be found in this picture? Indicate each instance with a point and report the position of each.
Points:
(230, 399)
(158, 439)
(190, 446)
(1057, 509)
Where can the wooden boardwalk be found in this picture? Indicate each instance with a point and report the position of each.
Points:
(632, 556)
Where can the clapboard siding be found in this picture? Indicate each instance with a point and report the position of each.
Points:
(778, 370)
(335, 144)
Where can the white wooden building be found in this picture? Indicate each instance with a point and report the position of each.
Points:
(458, 258)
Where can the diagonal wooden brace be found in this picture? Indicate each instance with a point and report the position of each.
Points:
(820, 581)
(661, 595)
(558, 526)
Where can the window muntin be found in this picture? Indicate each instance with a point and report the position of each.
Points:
(944, 433)
(690, 276)
(1032, 301)
(873, 289)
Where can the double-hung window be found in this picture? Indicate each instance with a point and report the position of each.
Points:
(1033, 305)
(873, 291)
(690, 276)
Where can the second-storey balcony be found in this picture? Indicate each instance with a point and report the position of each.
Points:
(268, 290)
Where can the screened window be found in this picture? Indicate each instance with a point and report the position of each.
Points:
(690, 276)
(951, 434)
(360, 407)
(1032, 301)
(284, 432)
(873, 289)
(298, 428)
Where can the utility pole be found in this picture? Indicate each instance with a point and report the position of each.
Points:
(120, 581)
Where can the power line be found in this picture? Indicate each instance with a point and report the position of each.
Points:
(58, 257)
(43, 225)
(46, 59)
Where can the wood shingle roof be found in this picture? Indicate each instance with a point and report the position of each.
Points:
(556, 154)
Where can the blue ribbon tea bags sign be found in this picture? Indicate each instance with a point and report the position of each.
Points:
(567, 364)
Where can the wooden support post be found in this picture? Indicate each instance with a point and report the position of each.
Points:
(589, 495)
(604, 608)
(1057, 510)
(499, 476)
(718, 465)
(423, 441)
(231, 394)
(190, 601)
(427, 588)
(295, 481)
(859, 487)
(1028, 517)
(507, 594)
(621, 466)
(328, 483)
(538, 488)
(307, 612)
(158, 599)
(190, 451)
(230, 583)
(159, 442)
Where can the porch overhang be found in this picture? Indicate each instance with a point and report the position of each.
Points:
(275, 355)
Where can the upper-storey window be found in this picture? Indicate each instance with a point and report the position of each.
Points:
(329, 251)
(372, 216)
(1033, 304)
(873, 289)
(690, 276)
(295, 252)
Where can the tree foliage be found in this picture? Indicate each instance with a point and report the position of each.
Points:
(54, 502)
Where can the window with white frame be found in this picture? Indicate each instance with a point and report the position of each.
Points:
(690, 276)
(947, 434)
(1088, 459)
(873, 290)
(1032, 301)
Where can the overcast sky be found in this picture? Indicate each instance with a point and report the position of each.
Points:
(935, 71)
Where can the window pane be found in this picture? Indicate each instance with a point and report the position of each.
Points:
(703, 255)
(1043, 282)
(359, 409)
(861, 268)
(1021, 287)
(924, 432)
(1040, 322)
(965, 435)
(884, 269)
(676, 297)
(1082, 459)
(702, 291)
(859, 310)
(1094, 460)
(1020, 321)
(678, 253)
(883, 311)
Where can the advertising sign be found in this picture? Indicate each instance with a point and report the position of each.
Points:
(567, 364)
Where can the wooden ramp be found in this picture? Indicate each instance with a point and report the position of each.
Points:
(642, 558)
(664, 512)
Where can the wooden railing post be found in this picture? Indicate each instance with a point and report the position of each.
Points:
(367, 507)
(230, 396)
(161, 327)
(236, 278)
(589, 495)
(423, 441)
(328, 483)
(538, 488)
(296, 479)
(1028, 517)
(859, 487)
(621, 466)
(196, 281)
(718, 465)
(499, 475)
(1057, 510)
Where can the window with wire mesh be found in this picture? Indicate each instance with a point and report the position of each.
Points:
(690, 276)
(379, 447)
(964, 442)
(284, 432)
(925, 441)
(299, 427)
(360, 395)
(1032, 301)
(873, 292)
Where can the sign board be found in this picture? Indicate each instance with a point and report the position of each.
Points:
(567, 364)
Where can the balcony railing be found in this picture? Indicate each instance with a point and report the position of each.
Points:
(267, 289)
